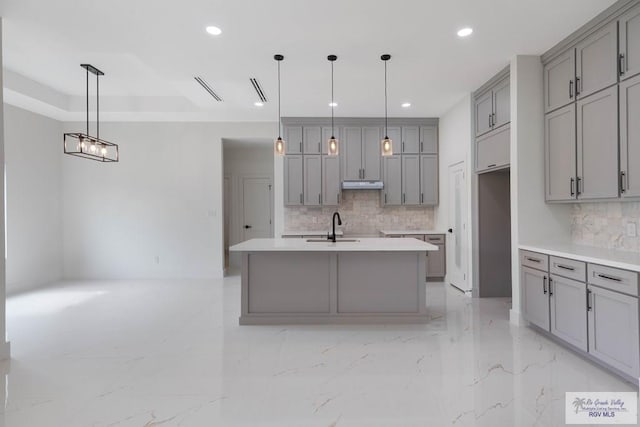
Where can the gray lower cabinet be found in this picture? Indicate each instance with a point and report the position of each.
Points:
(311, 139)
(429, 179)
(629, 35)
(411, 179)
(535, 296)
(312, 182)
(429, 139)
(392, 178)
(630, 136)
(597, 137)
(493, 150)
(436, 260)
(560, 154)
(596, 61)
(559, 75)
(410, 139)
(293, 180)
(568, 305)
(483, 111)
(613, 329)
(293, 139)
(330, 180)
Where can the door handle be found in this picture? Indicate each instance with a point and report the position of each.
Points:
(573, 181)
(621, 63)
(450, 230)
(589, 307)
(550, 286)
(421, 197)
(247, 226)
(489, 120)
(578, 186)
(493, 119)
(301, 146)
(570, 89)
(623, 178)
(385, 198)
(578, 86)
(544, 285)
(404, 198)
(319, 199)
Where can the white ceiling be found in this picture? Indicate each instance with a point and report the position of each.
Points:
(150, 50)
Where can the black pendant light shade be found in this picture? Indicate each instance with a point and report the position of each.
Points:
(332, 144)
(387, 144)
(279, 143)
(83, 144)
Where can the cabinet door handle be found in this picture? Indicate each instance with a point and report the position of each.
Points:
(493, 119)
(404, 198)
(421, 146)
(604, 276)
(301, 146)
(544, 285)
(623, 178)
(385, 198)
(578, 86)
(319, 199)
(570, 89)
(621, 63)
(489, 120)
(492, 165)
(565, 267)
(578, 186)
(403, 146)
(301, 201)
(338, 198)
(573, 181)
(589, 300)
(550, 286)
(421, 197)
(319, 149)
(533, 260)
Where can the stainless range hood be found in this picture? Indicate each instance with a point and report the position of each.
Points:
(362, 185)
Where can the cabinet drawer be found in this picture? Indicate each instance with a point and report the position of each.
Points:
(568, 268)
(436, 239)
(534, 260)
(613, 278)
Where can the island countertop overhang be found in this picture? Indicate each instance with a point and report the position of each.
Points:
(365, 244)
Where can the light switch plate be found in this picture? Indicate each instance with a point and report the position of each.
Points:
(631, 229)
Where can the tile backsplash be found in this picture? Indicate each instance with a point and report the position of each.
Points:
(605, 225)
(361, 215)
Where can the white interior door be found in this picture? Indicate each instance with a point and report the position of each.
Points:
(457, 242)
(256, 208)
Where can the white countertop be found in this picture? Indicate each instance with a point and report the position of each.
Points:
(310, 233)
(378, 244)
(396, 232)
(608, 257)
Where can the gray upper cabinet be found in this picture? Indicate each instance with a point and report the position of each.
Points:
(429, 139)
(535, 296)
(312, 180)
(312, 140)
(629, 34)
(410, 139)
(559, 83)
(330, 180)
(328, 132)
(630, 137)
(293, 180)
(411, 179)
(429, 179)
(560, 154)
(293, 139)
(483, 107)
(501, 103)
(568, 305)
(351, 153)
(611, 311)
(493, 150)
(392, 176)
(596, 61)
(371, 153)
(597, 136)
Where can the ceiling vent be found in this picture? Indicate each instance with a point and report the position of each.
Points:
(206, 87)
(258, 88)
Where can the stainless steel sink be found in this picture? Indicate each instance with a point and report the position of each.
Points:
(329, 241)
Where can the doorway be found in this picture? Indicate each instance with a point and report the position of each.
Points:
(257, 210)
(494, 234)
(457, 243)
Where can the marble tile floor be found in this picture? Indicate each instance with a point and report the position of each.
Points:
(171, 353)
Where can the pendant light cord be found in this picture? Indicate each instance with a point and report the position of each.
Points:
(332, 103)
(97, 107)
(386, 131)
(87, 102)
(279, 115)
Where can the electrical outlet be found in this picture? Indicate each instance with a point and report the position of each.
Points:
(631, 229)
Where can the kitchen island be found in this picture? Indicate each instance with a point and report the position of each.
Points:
(303, 281)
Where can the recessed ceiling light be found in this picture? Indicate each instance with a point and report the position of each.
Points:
(333, 104)
(214, 31)
(465, 32)
(406, 105)
(258, 104)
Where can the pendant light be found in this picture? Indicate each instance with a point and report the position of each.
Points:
(83, 144)
(387, 144)
(332, 144)
(279, 144)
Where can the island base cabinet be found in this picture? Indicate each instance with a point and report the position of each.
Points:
(536, 297)
(568, 305)
(613, 330)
